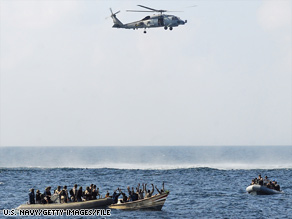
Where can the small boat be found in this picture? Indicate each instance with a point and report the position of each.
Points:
(261, 190)
(98, 203)
(155, 202)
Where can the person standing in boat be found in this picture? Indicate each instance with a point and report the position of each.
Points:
(47, 194)
(93, 192)
(38, 197)
(74, 193)
(148, 193)
(260, 180)
(43, 200)
(130, 193)
(134, 195)
(273, 184)
(116, 195)
(97, 193)
(277, 186)
(58, 193)
(162, 190)
(140, 192)
(125, 198)
(58, 190)
(87, 194)
(79, 195)
(266, 180)
(64, 195)
(31, 197)
(270, 185)
(90, 191)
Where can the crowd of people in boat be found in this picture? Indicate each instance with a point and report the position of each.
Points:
(271, 184)
(76, 195)
(137, 194)
(90, 193)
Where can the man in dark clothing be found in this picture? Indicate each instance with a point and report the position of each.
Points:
(79, 195)
(38, 197)
(47, 194)
(125, 198)
(116, 195)
(134, 195)
(31, 197)
(277, 187)
(74, 192)
(64, 195)
(43, 201)
(260, 180)
(93, 192)
(87, 194)
(130, 193)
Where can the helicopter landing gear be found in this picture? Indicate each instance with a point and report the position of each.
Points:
(145, 31)
(165, 27)
(170, 28)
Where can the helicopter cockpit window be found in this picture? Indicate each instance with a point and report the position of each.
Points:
(174, 18)
(146, 18)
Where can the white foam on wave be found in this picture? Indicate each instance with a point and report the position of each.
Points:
(188, 166)
(140, 166)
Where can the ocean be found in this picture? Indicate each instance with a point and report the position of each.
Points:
(204, 182)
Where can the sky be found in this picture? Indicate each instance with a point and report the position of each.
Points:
(67, 78)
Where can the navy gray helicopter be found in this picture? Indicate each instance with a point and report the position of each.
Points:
(153, 21)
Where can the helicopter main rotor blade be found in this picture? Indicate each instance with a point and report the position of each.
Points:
(152, 9)
(175, 11)
(138, 11)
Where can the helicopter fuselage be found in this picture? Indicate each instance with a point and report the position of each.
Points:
(161, 20)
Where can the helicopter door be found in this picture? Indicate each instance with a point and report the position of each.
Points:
(160, 21)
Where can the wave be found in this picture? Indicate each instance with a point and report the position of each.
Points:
(131, 166)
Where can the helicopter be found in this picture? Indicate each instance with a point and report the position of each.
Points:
(158, 20)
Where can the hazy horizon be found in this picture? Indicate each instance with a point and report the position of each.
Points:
(130, 157)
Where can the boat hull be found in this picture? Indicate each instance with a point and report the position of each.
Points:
(261, 190)
(155, 203)
(98, 203)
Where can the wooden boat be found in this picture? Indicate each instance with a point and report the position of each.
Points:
(155, 202)
(261, 190)
(98, 203)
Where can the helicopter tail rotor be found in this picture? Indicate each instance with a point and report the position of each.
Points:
(117, 22)
(114, 14)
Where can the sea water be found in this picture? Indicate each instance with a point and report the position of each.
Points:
(204, 182)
